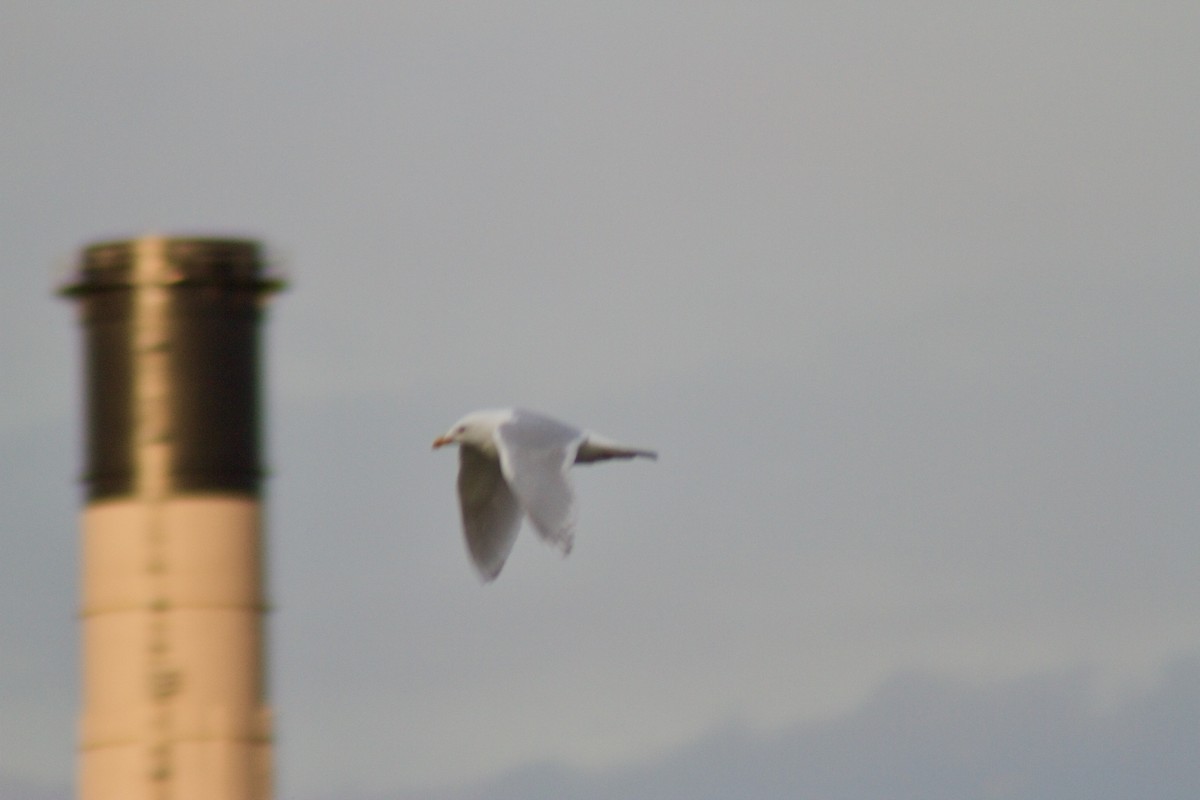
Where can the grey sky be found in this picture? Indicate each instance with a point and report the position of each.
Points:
(905, 295)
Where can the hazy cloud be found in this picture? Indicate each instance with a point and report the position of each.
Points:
(923, 738)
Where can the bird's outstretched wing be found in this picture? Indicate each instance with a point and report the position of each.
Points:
(535, 453)
(595, 447)
(491, 515)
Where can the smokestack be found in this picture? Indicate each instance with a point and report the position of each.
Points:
(174, 693)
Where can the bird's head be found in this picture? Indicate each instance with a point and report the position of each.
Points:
(475, 430)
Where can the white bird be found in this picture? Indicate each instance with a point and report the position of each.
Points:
(512, 461)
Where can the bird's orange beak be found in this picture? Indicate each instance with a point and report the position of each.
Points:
(441, 441)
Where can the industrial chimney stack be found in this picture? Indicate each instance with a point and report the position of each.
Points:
(174, 695)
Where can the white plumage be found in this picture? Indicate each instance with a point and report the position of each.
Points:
(514, 462)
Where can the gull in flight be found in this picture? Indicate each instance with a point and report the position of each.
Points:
(513, 462)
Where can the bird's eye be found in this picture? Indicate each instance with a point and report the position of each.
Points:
(460, 429)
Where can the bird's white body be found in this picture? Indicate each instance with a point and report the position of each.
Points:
(512, 463)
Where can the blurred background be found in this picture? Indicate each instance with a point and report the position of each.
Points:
(905, 294)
